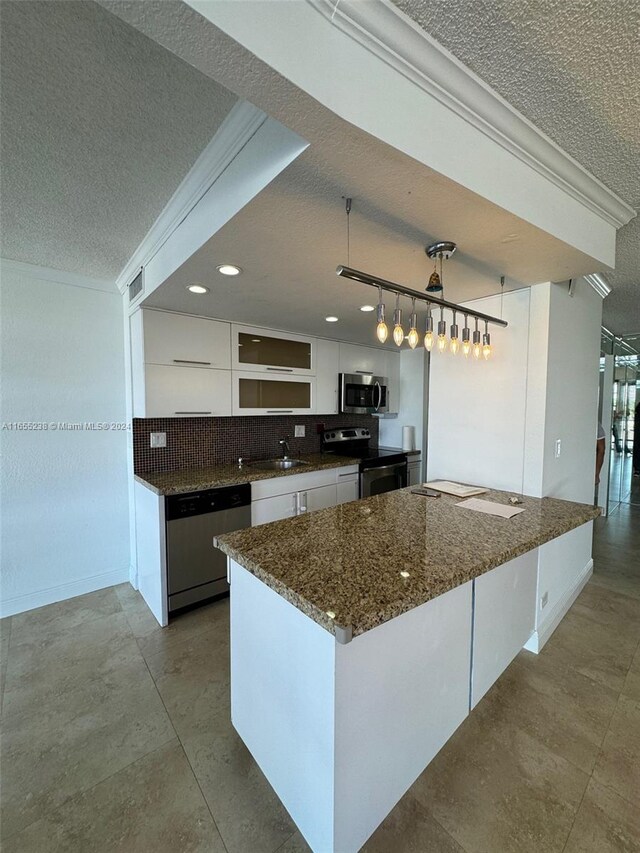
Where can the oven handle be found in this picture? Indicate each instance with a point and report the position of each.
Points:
(384, 467)
(376, 385)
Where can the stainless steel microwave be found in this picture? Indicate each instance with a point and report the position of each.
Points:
(362, 394)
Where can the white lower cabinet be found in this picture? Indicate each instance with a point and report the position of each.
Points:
(414, 469)
(186, 392)
(296, 494)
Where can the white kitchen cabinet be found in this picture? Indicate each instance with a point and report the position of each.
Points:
(285, 497)
(265, 351)
(370, 361)
(327, 370)
(171, 392)
(392, 372)
(414, 471)
(179, 339)
(258, 394)
(348, 486)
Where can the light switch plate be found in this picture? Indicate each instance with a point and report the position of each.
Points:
(158, 439)
(558, 447)
(299, 431)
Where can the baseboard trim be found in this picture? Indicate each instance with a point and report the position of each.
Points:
(537, 641)
(31, 600)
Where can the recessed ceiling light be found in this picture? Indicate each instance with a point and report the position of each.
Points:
(367, 308)
(197, 288)
(229, 269)
(255, 340)
(331, 319)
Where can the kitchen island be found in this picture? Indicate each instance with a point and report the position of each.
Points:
(364, 634)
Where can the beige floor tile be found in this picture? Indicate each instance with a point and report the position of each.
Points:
(74, 740)
(631, 686)
(247, 811)
(617, 581)
(568, 712)
(605, 823)
(151, 806)
(618, 764)
(95, 650)
(619, 613)
(295, 844)
(499, 789)
(410, 828)
(48, 624)
(595, 650)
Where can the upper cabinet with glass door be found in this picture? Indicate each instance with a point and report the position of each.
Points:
(264, 351)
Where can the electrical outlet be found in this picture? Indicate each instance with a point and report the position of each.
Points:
(544, 600)
(299, 431)
(558, 447)
(158, 439)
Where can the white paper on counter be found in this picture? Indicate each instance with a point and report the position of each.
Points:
(456, 489)
(491, 507)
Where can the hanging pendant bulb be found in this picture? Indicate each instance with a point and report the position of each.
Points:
(442, 332)
(428, 332)
(413, 336)
(477, 350)
(454, 342)
(382, 331)
(466, 337)
(486, 342)
(398, 331)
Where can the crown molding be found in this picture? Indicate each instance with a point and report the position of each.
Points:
(397, 40)
(73, 279)
(236, 130)
(598, 283)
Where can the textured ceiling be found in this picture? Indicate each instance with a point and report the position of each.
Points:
(99, 126)
(573, 68)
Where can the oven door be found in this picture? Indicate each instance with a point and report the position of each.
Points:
(363, 395)
(377, 481)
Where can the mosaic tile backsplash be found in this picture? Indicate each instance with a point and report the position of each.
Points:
(217, 441)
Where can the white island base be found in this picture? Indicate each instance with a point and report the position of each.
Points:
(341, 731)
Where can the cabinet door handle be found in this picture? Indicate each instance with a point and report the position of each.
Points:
(279, 411)
(302, 504)
(349, 474)
(295, 503)
(365, 372)
(281, 369)
(193, 413)
(189, 361)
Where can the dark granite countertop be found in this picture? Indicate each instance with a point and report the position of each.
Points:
(342, 566)
(210, 477)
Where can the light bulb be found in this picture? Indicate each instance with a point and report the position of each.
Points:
(398, 331)
(454, 346)
(442, 335)
(466, 337)
(413, 336)
(476, 342)
(382, 331)
(428, 341)
(486, 342)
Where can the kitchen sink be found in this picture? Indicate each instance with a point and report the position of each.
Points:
(278, 464)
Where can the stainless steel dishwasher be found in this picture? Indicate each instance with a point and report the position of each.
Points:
(196, 570)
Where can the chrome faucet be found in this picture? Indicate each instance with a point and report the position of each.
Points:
(285, 448)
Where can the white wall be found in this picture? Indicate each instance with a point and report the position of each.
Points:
(64, 520)
(477, 409)
(412, 400)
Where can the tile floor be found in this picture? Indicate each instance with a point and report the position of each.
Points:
(116, 735)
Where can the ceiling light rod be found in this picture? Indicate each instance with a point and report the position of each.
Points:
(392, 287)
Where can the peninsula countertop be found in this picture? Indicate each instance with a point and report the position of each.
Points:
(357, 565)
(213, 476)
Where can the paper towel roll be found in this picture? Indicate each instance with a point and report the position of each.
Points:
(408, 438)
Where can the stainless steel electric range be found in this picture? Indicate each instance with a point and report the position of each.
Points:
(380, 470)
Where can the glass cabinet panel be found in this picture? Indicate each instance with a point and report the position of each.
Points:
(271, 394)
(265, 350)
